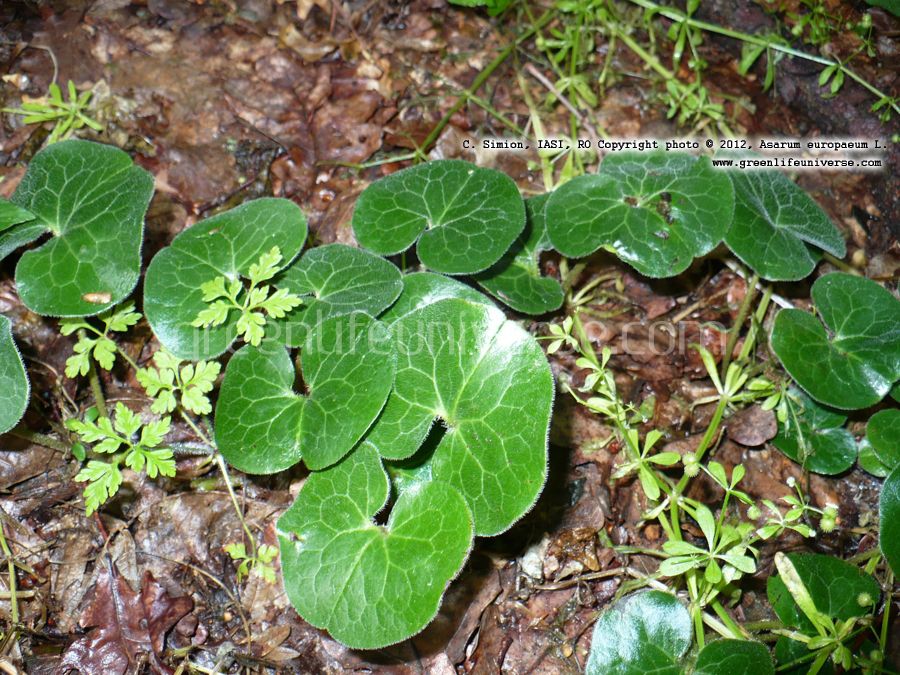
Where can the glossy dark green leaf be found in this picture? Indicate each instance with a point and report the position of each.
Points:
(263, 425)
(335, 280)
(424, 288)
(889, 510)
(815, 436)
(646, 632)
(224, 245)
(869, 461)
(775, 223)
(516, 278)
(488, 381)
(883, 432)
(656, 211)
(463, 217)
(92, 199)
(838, 589)
(734, 657)
(14, 388)
(371, 585)
(851, 357)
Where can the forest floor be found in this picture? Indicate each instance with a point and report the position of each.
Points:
(311, 100)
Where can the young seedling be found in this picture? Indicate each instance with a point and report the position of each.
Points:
(259, 301)
(102, 349)
(125, 439)
(67, 117)
(172, 382)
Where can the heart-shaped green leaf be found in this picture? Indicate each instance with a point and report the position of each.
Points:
(815, 436)
(775, 223)
(488, 381)
(646, 632)
(837, 589)
(13, 380)
(889, 510)
(371, 585)
(425, 288)
(464, 217)
(225, 245)
(869, 461)
(339, 280)
(516, 278)
(883, 432)
(263, 425)
(854, 358)
(92, 199)
(734, 657)
(656, 211)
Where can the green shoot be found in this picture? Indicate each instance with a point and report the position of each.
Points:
(169, 378)
(67, 117)
(125, 439)
(259, 564)
(101, 348)
(223, 294)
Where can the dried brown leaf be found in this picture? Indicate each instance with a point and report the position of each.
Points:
(126, 626)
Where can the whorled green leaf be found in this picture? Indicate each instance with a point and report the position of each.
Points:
(264, 425)
(646, 632)
(225, 245)
(815, 436)
(92, 199)
(488, 381)
(14, 387)
(371, 585)
(883, 432)
(656, 211)
(734, 657)
(889, 510)
(775, 224)
(516, 278)
(425, 288)
(851, 357)
(335, 280)
(837, 588)
(463, 217)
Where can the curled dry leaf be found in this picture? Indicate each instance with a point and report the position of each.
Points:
(126, 625)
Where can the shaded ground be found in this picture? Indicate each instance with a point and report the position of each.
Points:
(224, 102)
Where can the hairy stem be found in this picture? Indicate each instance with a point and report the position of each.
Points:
(39, 439)
(735, 331)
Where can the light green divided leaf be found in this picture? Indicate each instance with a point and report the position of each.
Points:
(263, 425)
(425, 288)
(489, 383)
(853, 359)
(14, 388)
(815, 436)
(169, 378)
(656, 211)
(734, 657)
(227, 245)
(92, 199)
(370, 585)
(883, 432)
(516, 278)
(776, 223)
(336, 280)
(463, 217)
(646, 632)
(889, 511)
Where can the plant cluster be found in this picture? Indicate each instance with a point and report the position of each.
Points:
(422, 411)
